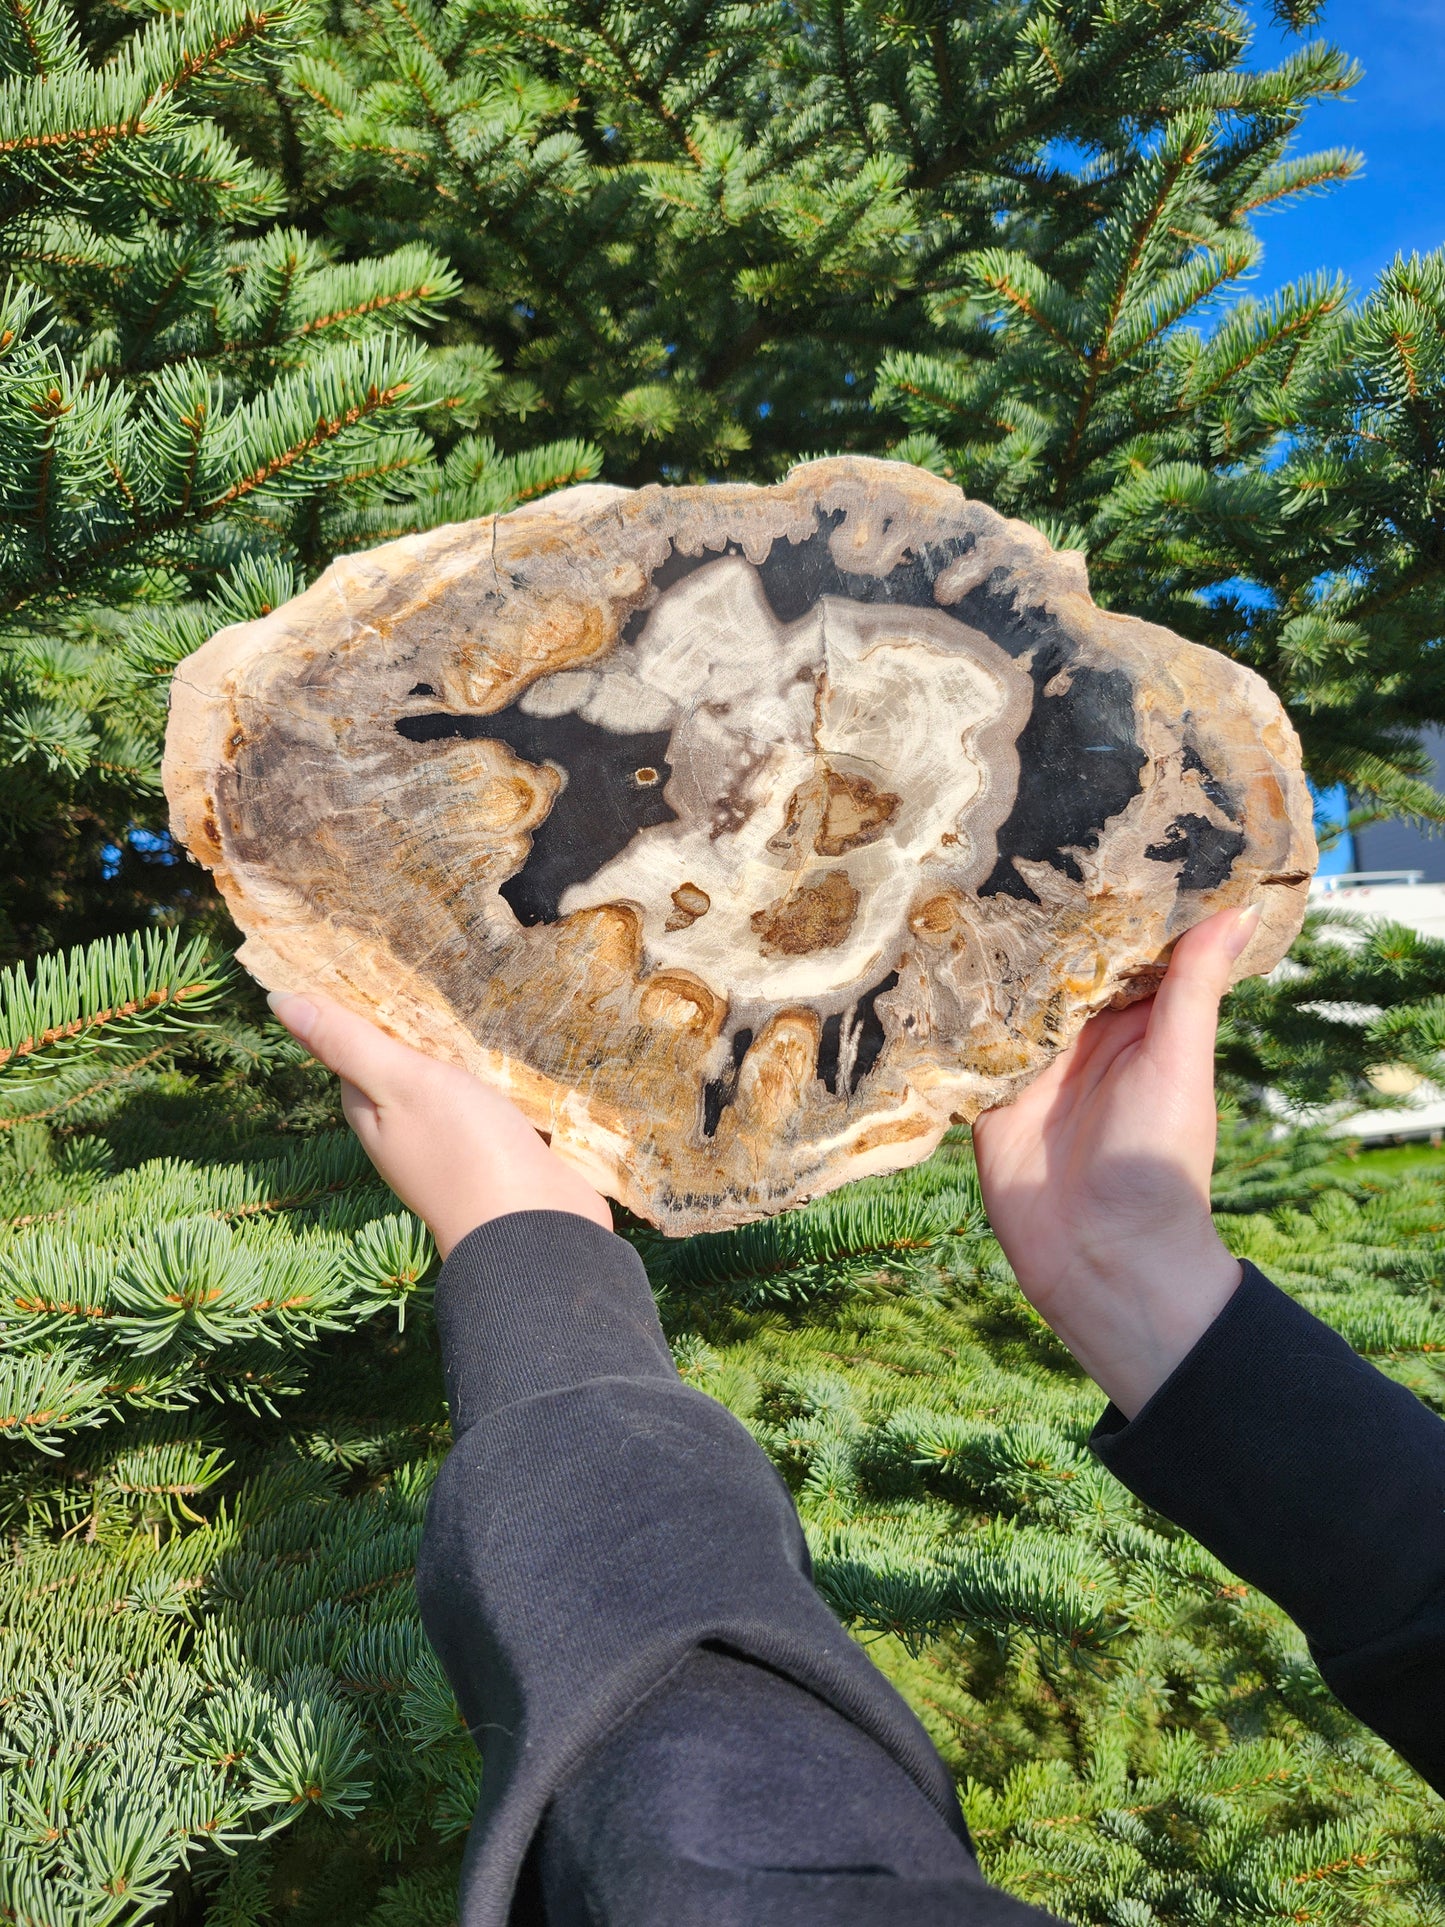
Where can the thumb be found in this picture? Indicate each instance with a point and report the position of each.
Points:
(360, 1054)
(1186, 1006)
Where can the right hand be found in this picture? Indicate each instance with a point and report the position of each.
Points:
(1096, 1178)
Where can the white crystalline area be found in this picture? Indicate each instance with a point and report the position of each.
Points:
(860, 701)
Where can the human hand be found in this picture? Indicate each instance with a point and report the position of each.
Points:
(454, 1151)
(1096, 1179)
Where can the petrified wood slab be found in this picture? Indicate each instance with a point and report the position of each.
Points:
(746, 836)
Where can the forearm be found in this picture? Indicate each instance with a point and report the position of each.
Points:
(1320, 1481)
(596, 1523)
(542, 1301)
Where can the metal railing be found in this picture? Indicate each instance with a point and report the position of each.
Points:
(1349, 879)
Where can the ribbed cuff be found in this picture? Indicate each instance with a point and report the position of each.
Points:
(1310, 1474)
(538, 1301)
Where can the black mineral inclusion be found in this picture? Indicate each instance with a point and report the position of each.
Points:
(614, 788)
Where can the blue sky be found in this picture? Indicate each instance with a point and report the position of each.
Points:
(1395, 117)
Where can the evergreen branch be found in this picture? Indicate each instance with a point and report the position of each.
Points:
(1301, 175)
(107, 995)
(862, 1224)
(1017, 284)
(44, 1397)
(330, 425)
(75, 1085)
(1180, 155)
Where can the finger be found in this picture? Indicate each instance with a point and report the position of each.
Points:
(358, 1110)
(1106, 1034)
(1104, 1048)
(1186, 1005)
(1076, 1070)
(357, 1051)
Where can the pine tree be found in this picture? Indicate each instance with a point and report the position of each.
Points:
(199, 405)
(271, 276)
(700, 227)
(711, 236)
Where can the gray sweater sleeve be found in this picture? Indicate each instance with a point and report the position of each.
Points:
(617, 1584)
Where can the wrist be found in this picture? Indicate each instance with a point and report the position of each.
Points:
(1130, 1324)
(455, 1221)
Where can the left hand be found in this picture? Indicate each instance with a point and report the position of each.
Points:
(454, 1151)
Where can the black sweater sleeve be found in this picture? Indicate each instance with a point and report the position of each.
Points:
(673, 1726)
(1320, 1481)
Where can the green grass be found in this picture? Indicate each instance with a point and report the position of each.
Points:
(1387, 1161)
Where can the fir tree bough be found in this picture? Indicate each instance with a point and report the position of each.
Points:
(283, 281)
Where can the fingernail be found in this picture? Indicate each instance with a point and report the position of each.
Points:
(1244, 927)
(294, 1012)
